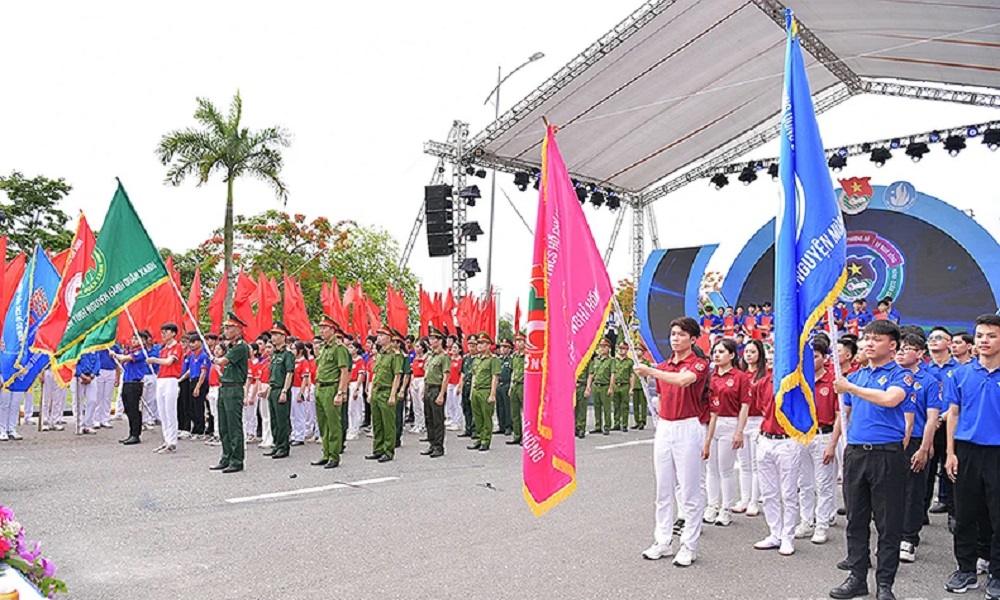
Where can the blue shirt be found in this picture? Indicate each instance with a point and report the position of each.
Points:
(154, 352)
(946, 374)
(978, 401)
(88, 364)
(716, 323)
(194, 364)
(893, 315)
(926, 395)
(872, 424)
(135, 369)
(107, 363)
(863, 318)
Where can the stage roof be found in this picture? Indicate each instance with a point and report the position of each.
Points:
(682, 82)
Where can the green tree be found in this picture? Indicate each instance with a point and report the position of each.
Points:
(33, 213)
(505, 328)
(222, 144)
(626, 297)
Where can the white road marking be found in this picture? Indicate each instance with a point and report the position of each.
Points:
(624, 444)
(312, 490)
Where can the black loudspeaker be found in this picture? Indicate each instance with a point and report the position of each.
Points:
(440, 220)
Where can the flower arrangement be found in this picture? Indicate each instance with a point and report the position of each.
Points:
(25, 556)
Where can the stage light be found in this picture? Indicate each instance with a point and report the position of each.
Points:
(880, 155)
(470, 194)
(894, 143)
(597, 198)
(837, 162)
(538, 182)
(866, 147)
(772, 170)
(470, 170)
(472, 230)
(992, 139)
(748, 175)
(521, 180)
(758, 166)
(720, 181)
(972, 131)
(843, 152)
(470, 267)
(613, 202)
(954, 144)
(917, 150)
(581, 191)
(934, 137)
(481, 173)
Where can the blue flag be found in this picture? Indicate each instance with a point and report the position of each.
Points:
(31, 302)
(810, 250)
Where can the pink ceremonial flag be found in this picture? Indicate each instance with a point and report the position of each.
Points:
(568, 305)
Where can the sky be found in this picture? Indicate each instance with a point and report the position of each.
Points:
(92, 87)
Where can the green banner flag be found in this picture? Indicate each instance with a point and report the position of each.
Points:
(126, 267)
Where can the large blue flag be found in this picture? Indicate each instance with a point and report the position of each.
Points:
(810, 250)
(31, 302)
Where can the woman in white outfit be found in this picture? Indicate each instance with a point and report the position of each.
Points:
(454, 418)
(301, 382)
(417, 386)
(753, 356)
(355, 398)
(214, 372)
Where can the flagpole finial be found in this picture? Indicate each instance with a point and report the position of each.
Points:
(545, 120)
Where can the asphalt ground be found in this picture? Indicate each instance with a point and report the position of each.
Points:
(123, 523)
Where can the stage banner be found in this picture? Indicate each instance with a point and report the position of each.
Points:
(810, 250)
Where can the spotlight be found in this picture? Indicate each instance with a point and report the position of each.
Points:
(992, 139)
(917, 150)
(758, 166)
(837, 162)
(972, 131)
(954, 144)
(597, 198)
(470, 170)
(613, 202)
(470, 194)
(521, 180)
(772, 170)
(894, 143)
(866, 147)
(472, 230)
(720, 181)
(880, 155)
(843, 152)
(470, 267)
(581, 191)
(748, 175)
(934, 137)
(538, 182)
(481, 173)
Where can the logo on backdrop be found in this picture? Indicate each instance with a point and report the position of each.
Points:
(900, 196)
(855, 195)
(875, 267)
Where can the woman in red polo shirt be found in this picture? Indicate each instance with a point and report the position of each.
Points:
(728, 405)
(454, 419)
(417, 386)
(756, 363)
(302, 378)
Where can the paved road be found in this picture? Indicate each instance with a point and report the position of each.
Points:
(123, 523)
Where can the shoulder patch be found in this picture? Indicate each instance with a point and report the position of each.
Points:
(882, 380)
(908, 379)
(699, 365)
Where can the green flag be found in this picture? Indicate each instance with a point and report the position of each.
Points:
(126, 267)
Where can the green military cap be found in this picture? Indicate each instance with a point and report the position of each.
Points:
(505, 343)
(484, 337)
(279, 327)
(435, 332)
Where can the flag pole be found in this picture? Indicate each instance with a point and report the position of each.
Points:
(187, 311)
(135, 331)
(635, 357)
(833, 342)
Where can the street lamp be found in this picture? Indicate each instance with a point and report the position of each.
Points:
(495, 94)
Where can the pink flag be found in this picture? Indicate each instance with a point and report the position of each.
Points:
(568, 305)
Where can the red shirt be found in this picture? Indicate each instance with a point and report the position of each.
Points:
(302, 368)
(827, 404)
(260, 369)
(173, 370)
(358, 368)
(418, 367)
(727, 393)
(753, 393)
(456, 371)
(677, 403)
(213, 375)
(764, 396)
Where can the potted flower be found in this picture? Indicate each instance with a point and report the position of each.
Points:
(17, 552)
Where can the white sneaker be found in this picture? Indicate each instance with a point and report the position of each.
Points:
(16, 436)
(46, 428)
(803, 530)
(684, 558)
(725, 518)
(58, 427)
(658, 551)
(351, 435)
(264, 446)
(106, 426)
(787, 548)
(907, 552)
(752, 509)
(184, 435)
(4, 437)
(819, 536)
(711, 514)
(982, 566)
(167, 450)
(741, 507)
(452, 427)
(768, 543)
(159, 448)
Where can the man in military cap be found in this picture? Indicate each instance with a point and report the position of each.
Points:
(405, 376)
(640, 404)
(436, 371)
(279, 393)
(467, 361)
(231, 383)
(382, 392)
(582, 401)
(517, 388)
(599, 382)
(504, 425)
(332, 365)
(485, 375)
(621, 387)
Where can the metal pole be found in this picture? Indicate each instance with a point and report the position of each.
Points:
(493, 191)
(650, 405)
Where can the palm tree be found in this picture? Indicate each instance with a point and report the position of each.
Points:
(220, 145)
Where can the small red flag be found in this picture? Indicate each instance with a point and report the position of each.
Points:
(194, 300)
(245, 290)
(517, 316)
(294, 310)
(216, 306)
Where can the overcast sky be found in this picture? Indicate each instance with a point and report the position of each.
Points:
(91, 87)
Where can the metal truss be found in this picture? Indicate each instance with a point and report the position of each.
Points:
(654, 233)
(638, 242)
(942, 93)
(614, 235)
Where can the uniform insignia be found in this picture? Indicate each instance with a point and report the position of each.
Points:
(699, 366)
(824, 391)
(908, 379)
(882, 380)
(730, 383)
(917, 386)
(715, 402)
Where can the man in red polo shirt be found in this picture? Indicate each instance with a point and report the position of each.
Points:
(171, 361)
(680, 438)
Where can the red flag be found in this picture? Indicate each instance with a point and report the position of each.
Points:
(397, 314)
(165, 304)
(60, 259)
(426, 313)
(294, 310)
(245, 291)
(517, 316)
(267, 296)
(216, 305)
(448, 311)
(492, 323)
(336, 306)
(194, 300)
(12, 277)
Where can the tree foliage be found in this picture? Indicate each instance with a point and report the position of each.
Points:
(625, 291)
(33, 213)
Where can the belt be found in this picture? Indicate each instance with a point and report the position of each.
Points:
(381, 388)
(890, 447)
(230, 385)
(775, 436)
(482, 389)
(517, 382)
(826, 428)
(324, 384)
(139, 381)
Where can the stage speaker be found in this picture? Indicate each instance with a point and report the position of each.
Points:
(440, 220)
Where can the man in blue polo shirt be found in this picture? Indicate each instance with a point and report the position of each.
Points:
(134, 369)
(874, 461)
(942, 364)
(861, 314)
(973, 462)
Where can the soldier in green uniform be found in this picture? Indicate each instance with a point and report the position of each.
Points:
(599, 382)
(466, 381)
(485, 375)
(333, 363)
(436, 371)
(582, 401)
(621, 387)
(382, 392)
(399, 348)
(517, 388)
(278, 396)
(231, 383)
(640, 406)
(504, 425)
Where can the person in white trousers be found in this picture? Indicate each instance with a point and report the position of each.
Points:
(818, 473)
(84, 398)
(53, 402)
(301, 381)
(417, 387)
(454, 418)
(729, 406)
(678, 445)
(170, 360)
(105, 384)
(10, 412)
(756, 362)
(256, 398)
(355, 400)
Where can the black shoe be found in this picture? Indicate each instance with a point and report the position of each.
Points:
(992, 588)
(607, 432)
(508, 432)
(374, 456)
(475, 446)
(624, 429)
(423, 439)
(297, 443)
(844, 565)
(427, 452)
(437, 454)
(319, 463)
(938, 509)
(270, 452)
(851, 588)
(484, 448)
(384, 458)
(616, 428)
(598, 430)
(333, 464)
(281, 454)
(884, 592)
(842, 512)
(641, 427)
(232, 469)
(218, 467)
(961, 582)
(464, 434)
(514, 442)
(131, 441)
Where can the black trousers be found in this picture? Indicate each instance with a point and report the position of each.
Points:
(935, 471)
(434, 417)
(977, 506)
(198, 406)
(131, 398)
(504, 423)
(913, 507)
(470, 426)
(874, 486)
(185, 406)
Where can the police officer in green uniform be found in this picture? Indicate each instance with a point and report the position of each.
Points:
(382, 392)
(621, 387)
(333, 363)
(517, 388)
(504, 425)
(485, 375)
(582, 401)
(640, 405)
(436, 371)
(278, 396)
(599, 382)
(399, 347)
(231, 383)
(467, 361)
